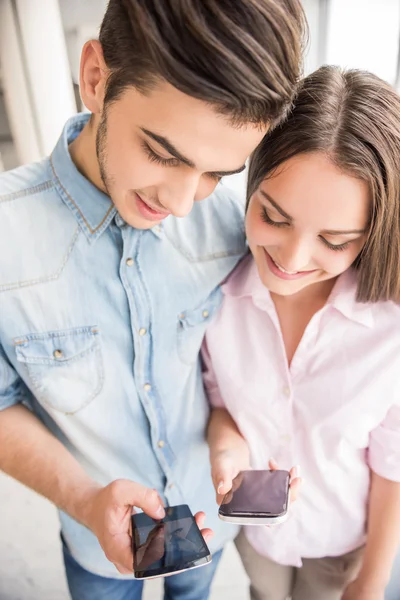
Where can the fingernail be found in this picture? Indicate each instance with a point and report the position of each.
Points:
(220, 486)
(160, 512)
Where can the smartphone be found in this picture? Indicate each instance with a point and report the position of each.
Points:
(257, 498)
(169, 546)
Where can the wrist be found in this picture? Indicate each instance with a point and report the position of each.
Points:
(238, 452)
(85, 503)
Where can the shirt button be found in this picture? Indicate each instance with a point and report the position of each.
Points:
(171, 485)
(286, 391)
(205, 314)
(147, 387)
(142, 331)
(58, 354)
(286, 438)
(130, 262)
(161, 444)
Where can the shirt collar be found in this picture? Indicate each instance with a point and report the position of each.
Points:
(246, 282)
(91, 207)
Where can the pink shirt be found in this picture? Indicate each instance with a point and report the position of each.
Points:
(335, 411)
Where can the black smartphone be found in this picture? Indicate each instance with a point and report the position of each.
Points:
(257, 498)
(168, 546)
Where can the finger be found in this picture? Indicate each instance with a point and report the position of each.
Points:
(122, 569)
(207, 534)
(130, 493)
(295, 472)
(224, 485)
(200, 518)
(295, 485)
(273, 465)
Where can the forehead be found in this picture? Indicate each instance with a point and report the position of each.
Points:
(311, 189)
(194, 127)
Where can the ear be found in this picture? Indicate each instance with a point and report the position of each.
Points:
(93, 76)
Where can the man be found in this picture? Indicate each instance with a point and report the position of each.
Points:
(105, 294)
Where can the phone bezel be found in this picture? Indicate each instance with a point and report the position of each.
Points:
(184, 512)
(253, 517)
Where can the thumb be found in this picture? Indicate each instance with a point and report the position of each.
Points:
(223, 476)
(131, 493)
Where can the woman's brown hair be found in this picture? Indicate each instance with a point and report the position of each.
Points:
(354, 118)
(243, 57)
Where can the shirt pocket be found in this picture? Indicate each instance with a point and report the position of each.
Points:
(65, 368)
(192, 326)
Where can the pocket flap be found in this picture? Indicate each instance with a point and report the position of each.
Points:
(197, 316)
(56, 346)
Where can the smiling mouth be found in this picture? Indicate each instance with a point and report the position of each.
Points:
(284, 270)
(282, 273)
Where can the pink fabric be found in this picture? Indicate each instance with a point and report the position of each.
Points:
(335, 412)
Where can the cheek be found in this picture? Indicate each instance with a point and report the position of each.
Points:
(337, 262)
(259, 233)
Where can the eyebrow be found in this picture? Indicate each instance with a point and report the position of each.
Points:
(170, 148)
(325, 231)
(276, 206)
(347, 232)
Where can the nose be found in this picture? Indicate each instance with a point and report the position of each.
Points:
(295, 254)
(178, 192)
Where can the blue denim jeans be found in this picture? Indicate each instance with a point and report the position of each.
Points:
(194, 584)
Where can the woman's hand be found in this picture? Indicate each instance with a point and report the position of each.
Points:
(225, 466)
(358, 590)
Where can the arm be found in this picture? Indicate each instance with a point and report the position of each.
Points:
(382, 541)
(31, 454)
(229, 452)
(383, 529)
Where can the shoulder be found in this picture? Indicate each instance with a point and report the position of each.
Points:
(25, 181)
(33, 218)
(213, 229)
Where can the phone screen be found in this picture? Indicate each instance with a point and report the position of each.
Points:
(260, 492)
(173, 544)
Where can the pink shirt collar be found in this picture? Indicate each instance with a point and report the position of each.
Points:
(245, 282)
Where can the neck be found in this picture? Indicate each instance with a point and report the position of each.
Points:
(83, 154)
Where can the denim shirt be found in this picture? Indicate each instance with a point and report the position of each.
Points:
(101, 326)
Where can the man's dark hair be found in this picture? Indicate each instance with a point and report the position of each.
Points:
(241, 56)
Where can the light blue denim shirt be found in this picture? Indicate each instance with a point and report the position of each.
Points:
(101, 326)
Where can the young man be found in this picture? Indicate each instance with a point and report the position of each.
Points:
(105, 294)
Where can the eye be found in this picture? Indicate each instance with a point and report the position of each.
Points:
(267, 219)
(166, 162)
(336, 247)
(214, 176)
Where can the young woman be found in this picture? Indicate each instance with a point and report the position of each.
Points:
(303, 362)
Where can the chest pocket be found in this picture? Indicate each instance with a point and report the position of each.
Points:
(192, 326)
(64, 368)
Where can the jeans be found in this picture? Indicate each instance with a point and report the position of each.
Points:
(193, 584)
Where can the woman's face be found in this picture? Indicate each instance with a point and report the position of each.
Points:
(307, 223)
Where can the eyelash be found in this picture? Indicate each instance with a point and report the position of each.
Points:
(267, 219)
(169, 162)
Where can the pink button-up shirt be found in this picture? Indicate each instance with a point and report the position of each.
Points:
(335, 411)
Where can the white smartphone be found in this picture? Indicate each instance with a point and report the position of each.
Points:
(257, 498)
(169, 546)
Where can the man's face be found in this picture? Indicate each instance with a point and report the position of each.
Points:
(158, 153)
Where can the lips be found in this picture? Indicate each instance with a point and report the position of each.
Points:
(148, 212)
(280, 272)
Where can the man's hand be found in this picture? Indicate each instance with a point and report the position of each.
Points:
(359, 590)
(108, 514)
